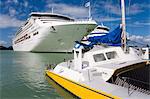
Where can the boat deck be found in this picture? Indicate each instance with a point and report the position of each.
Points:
(102, 86)
(125, 90)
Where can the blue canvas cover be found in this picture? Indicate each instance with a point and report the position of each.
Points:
(113, 38)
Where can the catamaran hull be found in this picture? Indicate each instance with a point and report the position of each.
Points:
(78, 89)
(97, 89)
(59, 38)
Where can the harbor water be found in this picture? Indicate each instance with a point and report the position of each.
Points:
(22, 76)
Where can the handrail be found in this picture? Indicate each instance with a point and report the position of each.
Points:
(50, 66)
(128, 78)
(124, 82)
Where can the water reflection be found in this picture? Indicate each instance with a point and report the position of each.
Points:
(65, 94)
(23, 74)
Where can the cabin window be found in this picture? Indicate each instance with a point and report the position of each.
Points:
(99, 57)
(111, 55)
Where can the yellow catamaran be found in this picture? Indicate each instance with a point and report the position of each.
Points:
(100, 73)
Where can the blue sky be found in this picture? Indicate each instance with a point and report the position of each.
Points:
(13, 13)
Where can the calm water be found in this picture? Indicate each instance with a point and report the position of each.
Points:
(22, 76)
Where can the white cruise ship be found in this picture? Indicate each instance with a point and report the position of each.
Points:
(49, 32)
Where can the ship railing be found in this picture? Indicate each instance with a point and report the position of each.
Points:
(76, 21)
(131, 84)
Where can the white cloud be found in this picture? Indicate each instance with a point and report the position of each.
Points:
(112, 9)
(108, 7)
(2, 42)
(26, 4)
(7, 21)
(140, 39)
(135, 9)
(109, 19)
(141, 23)
(11, 36)
(71, 10)
(11, 1)
(15, 1)
(12, 11)
(132, 9)
(8, 1)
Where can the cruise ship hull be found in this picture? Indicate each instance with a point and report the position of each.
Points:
(58, 38)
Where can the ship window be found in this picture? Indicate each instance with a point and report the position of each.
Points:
(111, 55)
(99, 57)
(35, 33)
(143, 51)
(103, 28)
(26, 23)
(27, 37)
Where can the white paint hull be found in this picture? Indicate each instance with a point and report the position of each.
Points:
(59, 40)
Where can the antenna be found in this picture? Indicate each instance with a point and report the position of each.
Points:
(88, 4)
(52, 9)
(123, 26)
(90, 11)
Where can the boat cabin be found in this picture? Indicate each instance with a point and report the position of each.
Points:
(102, 56)
(104, 59)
